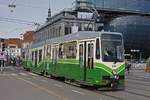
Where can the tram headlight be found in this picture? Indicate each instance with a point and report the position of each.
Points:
(114, 72)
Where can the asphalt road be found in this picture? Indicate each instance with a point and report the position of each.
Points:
(17, 84)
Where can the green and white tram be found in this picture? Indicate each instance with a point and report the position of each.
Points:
(90, 58)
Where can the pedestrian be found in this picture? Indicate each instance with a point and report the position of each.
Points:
(14, 61)
(128, 68)
(148, 65)
(2, 57)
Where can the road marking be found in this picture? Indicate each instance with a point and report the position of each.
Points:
(44, 81)
(78, 92)
(57, 85)
(13, 74)
(29, 78)
(33, 77)
(32, 74)
(42, 88)
(4, 74)
(23, 74)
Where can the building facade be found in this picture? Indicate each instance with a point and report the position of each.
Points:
(2, 44)
(63, 23)
(26, 43)
(142, 6)
(130, 17)
(13, 47)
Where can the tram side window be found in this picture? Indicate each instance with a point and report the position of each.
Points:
(81, 50)
(40, 55)
(49, 51)
(81, 55)
(60, 51)
(53, 54)
(90, 55)
(70, 51)
(32, 55)
(35, 58)
(97, 49)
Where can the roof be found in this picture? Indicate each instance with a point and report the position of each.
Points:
(54, 18)
(73, 37)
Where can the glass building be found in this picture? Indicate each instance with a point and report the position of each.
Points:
(136, 29)
(126, 5)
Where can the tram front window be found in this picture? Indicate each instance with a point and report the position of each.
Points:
(112, 48)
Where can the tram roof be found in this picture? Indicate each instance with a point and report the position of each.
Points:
(73, 37)
(78, 36)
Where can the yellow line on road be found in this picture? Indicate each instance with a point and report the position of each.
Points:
(42, 88)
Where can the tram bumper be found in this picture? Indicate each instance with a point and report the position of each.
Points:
(114, 81)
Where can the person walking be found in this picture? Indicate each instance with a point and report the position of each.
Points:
(128, 67)
(2, 59)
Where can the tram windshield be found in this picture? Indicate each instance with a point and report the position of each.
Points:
(112, 48)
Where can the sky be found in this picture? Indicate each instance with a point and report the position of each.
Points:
(12, 24)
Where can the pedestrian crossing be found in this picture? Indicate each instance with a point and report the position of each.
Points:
(23, 74)
(32, 74)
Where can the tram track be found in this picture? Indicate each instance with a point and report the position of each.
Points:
(143, 78)
(139, 83)
(112, 96)
(138, 88)
(138, 94)
(138, 79)
(91, 89)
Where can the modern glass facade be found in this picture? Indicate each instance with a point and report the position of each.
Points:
(136, 29)
(127, 5)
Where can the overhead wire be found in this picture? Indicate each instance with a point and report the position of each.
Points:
(15, 22)
(31, 6)
(13, 2)
(18, 21)
(16, 29)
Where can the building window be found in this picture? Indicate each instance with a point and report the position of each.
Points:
(67, 30)
(59, 30)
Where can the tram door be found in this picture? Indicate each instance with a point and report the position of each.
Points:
(82, 58)
(54, 56)
(81, 46)
(90, 55)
